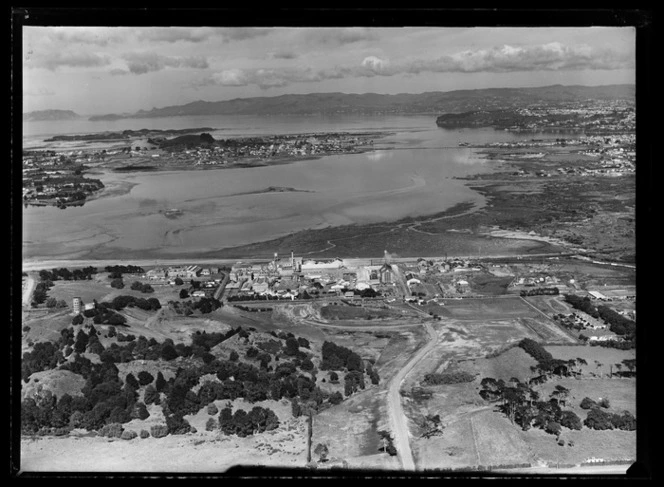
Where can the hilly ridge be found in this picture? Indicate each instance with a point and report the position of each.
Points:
(375, 103)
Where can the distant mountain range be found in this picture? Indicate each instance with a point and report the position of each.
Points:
(42, 115)
(436, 102)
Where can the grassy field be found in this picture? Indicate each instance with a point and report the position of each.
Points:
(599, 359)
(455, 449)
(350, 429)
(547, 331)
(621, 393)
(515, 362)
(497, 441)
(607, 445)
(338, 312)
(550, 305)
(487, 309)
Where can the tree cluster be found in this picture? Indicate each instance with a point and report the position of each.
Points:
(546, 364)
(102, 314)
(523, 406)
(120, 302)
(452, 377)
(205, 305)
(603, 420)
(618, 324)
(336, 357)
(582, 304)
(243, 423)
(40, 293)
(66, 275)
(124, 269)
(540, 291)
(142, 287)
(108, 399)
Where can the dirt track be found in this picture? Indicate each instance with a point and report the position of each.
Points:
(398, 418)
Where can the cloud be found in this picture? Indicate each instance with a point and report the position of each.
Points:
(545, 57)
(284, 55)
(54, 60)
(176, 34)
(88, 36)
(243, 33)
(338, 37)
(146, 62)
(375, 64)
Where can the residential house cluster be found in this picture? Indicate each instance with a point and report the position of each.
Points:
(234, 150)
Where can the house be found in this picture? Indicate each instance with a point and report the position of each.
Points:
(156, 274)
(188, 272)
(349, 294)
(600, 335)
(261, 287)
(413, 281)
(386, 274)
(362, 285)
(598, 295)
(198, 294)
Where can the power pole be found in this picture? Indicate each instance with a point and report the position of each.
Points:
(309, 434)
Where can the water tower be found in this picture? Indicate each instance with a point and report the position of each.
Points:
(76, 305)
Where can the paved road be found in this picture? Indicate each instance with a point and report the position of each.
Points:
(583, 470)
(398, 419)
(38, 264)
(27, 290)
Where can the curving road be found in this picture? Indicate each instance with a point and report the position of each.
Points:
(398, 419)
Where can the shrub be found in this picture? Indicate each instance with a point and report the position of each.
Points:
(63, 431)
(211, 425)
(455, 377)
(587, 403)
(112, 430)
(128, 435)
(212, 409)
(159, 431)
(599, 420)
(144, 434)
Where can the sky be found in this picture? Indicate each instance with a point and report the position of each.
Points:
(99, 70)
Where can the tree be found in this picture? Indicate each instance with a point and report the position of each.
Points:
(168, 352)
(77, 320)
(307, 364)
(51, 303)
(117, 283)
(145, 378)
(292, 346)
(151, 395)
(570, 420)
(322, 451)
(335, 398)
(184, 294)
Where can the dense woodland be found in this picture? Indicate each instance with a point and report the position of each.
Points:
(280, 368)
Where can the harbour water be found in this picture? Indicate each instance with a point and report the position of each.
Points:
(411, 172)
